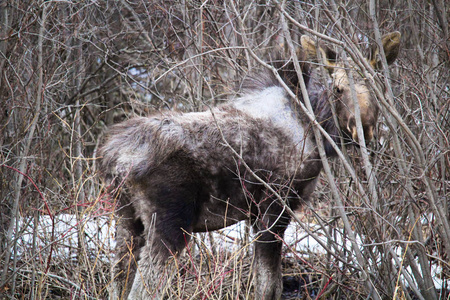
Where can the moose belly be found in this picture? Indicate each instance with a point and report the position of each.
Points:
(235, 199)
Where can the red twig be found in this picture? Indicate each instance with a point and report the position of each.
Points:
(325, 287)
(46, 207)
(38, 190)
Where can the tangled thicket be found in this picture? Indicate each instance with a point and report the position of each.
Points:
(69, 69)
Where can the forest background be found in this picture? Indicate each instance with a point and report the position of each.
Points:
(70, 69)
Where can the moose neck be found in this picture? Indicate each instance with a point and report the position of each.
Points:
(317, 92)
(318, 96)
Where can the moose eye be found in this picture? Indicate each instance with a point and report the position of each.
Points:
(338, 90)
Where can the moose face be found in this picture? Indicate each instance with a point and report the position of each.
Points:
(341, 87)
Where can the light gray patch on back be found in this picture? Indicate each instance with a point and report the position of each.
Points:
(273, 104)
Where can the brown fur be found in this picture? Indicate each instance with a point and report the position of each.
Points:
(177, 174)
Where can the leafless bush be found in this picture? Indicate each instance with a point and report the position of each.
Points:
(69, 69)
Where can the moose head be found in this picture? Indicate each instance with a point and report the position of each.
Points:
(341, 87)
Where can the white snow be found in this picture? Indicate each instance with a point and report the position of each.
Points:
(61, 235)
(99, 235)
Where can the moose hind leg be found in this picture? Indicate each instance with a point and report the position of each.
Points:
(129, 241)
(167, 229)
(150, 273)
(267, 274)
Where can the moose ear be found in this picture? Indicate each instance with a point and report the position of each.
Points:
(391, 47)
(328, 55)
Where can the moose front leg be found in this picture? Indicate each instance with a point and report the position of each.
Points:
(267, 275)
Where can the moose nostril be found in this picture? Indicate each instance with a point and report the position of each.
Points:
(351, 125)
(354, 134)
(368, 133)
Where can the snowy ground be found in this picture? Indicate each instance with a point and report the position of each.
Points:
(99, 237)
(63, 235)
(99, 234)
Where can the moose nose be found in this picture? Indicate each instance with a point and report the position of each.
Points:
(352, 129)
(368, 133)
